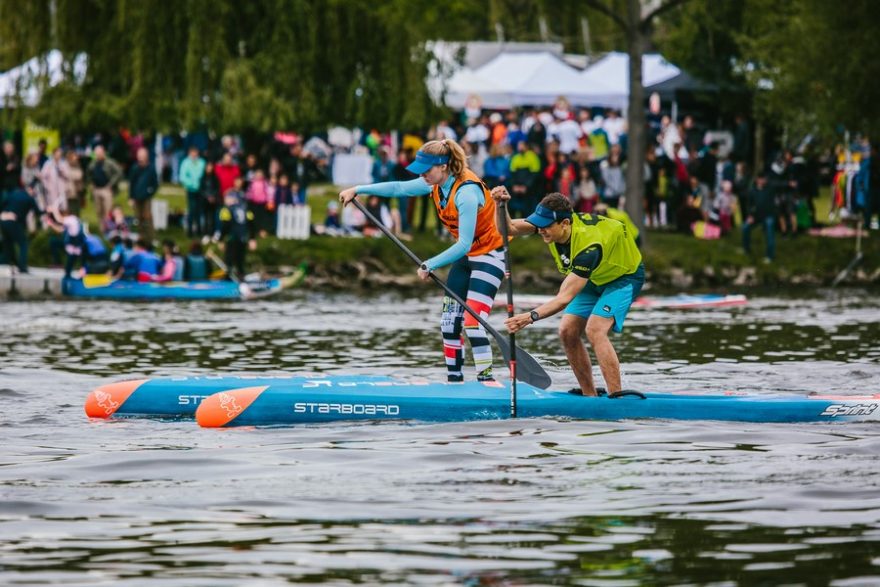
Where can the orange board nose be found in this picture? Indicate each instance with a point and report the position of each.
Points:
(105, 400)
(220, 409)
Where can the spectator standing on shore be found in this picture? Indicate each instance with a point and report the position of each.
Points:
(53, 174)
(467, 211)
(226, 171)
(762, 211)
(568, 133)
(42, 152)
(76, 186)
(299, 168)
(142, 186)
(209, 190)
(525, 169)
(560, 175)
(31, 179)
(103, 176)
(257, 196)
(10, 169)
(585, 195)
(613, 180)
(249, 170)
(14, 210)
(237, 231)
(401, 173)
(742, 140)
(191, 171)
(383, 170)
(496, 170)
(615, 128)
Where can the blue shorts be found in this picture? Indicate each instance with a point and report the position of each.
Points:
(611, 300)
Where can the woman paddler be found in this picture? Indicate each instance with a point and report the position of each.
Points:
(467, 210)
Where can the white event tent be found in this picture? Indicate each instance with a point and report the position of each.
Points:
(27, 80)
(536, 79)
(613, 71)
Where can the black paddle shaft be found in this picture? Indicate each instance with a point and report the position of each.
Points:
(530, 370)
(502, 221)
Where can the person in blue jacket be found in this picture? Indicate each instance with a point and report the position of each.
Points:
(14, 209)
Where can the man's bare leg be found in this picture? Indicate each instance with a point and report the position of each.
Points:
(597, 333)
(570, 330)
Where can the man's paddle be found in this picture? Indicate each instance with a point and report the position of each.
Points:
(530, 370)
(502, 207)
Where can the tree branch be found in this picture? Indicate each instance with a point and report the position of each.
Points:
(606, 10)
(660, 10)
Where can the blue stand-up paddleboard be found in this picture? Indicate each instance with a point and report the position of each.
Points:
(273, 401)
(180, 396)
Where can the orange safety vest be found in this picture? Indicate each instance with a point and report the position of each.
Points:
(486, 235)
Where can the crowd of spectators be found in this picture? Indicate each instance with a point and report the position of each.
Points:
(695, 182)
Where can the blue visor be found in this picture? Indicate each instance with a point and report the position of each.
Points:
(543, 217)
(425, 161)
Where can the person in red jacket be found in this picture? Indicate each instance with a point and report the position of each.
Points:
(226, 172)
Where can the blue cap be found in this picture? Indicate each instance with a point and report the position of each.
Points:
(543, 217)
(425, 161)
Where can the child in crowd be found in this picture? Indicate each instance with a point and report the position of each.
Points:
(171, 266)
(257, 200)
(331, 222)
(115, 224)
(584, 195)
(284, 195)
(723, 207)
(237, 229)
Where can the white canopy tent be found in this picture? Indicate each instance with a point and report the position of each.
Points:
(536, 79)
(613, 71)
(28, 79)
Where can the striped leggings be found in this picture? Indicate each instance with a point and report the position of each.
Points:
(475, 279)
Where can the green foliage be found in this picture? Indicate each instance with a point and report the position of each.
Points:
(815, 54)
(263, 64)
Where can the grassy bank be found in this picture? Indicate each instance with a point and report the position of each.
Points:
(674, 261)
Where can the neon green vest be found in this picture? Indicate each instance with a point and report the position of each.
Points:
(622, 216)
(620, 255)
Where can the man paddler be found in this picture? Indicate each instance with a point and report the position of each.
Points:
(603, 275)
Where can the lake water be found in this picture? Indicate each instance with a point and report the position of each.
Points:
(518, 502)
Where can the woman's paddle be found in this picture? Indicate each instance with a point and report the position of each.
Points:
(530, 371)
(502, 207)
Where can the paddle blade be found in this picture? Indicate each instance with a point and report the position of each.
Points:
(528, 370)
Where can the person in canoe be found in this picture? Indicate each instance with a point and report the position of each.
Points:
(476, 260)
(603, 275)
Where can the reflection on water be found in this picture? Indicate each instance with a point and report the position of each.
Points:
(524, 502)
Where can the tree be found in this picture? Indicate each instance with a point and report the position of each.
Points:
(636, 19)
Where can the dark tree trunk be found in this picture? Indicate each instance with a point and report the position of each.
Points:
(637, 133)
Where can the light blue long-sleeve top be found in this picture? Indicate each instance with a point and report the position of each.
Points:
(468, 200)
